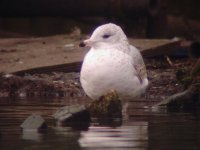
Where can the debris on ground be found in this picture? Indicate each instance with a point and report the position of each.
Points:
(45, 85)
(189, 99)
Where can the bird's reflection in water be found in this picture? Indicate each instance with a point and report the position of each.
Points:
(123, 137)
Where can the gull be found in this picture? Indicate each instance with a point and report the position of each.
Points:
(112, 64)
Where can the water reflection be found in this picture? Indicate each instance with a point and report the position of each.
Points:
(150, 130)
(124, 137)
(33, 135)
(177, 131)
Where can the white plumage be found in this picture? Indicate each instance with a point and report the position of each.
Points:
(112, 64)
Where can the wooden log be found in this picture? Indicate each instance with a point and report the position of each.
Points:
(189, 99)
(186, 100)
(156, 47)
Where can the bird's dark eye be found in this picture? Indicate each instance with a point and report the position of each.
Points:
(105, 36)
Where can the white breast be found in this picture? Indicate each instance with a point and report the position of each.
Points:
(105, 70)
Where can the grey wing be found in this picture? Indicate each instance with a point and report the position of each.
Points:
(138, 63)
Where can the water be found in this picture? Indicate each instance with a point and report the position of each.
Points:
(144, 130)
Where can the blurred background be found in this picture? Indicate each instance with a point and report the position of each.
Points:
(139, 19)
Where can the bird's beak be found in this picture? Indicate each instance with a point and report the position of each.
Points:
(85, 43)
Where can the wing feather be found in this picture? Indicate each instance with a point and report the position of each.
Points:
(138, 63)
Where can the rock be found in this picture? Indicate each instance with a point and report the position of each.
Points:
(34, 122)
(75, 116)
(108, 106)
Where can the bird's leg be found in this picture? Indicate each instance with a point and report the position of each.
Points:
(125, 110)
(147, 96)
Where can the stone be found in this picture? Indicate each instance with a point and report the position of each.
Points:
(34, 122)
(76, 116)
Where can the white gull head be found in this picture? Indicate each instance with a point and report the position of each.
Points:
(106, 36)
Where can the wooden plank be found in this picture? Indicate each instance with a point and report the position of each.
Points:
(61, 53)
(155, 47)
(69, 67)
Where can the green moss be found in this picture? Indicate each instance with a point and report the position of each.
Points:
(109, 105)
